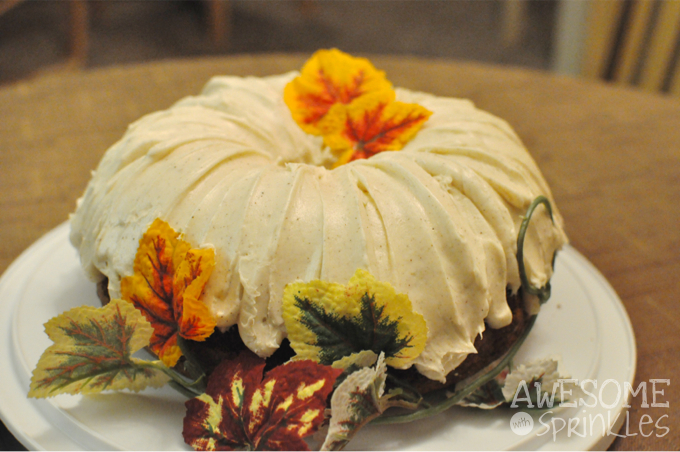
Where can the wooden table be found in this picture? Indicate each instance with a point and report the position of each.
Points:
(611, 156)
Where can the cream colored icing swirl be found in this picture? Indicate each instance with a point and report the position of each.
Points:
(232, 170)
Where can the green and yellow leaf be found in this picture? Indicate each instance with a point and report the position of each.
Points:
(92, 352)
(327, 322)
(241, 410)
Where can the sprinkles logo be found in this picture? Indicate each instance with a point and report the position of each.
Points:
(597, 410)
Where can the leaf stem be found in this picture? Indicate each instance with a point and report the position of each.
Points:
(183, 390)
(543, 293)
(178, 381)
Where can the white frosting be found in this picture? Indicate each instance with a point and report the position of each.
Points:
(231, 169)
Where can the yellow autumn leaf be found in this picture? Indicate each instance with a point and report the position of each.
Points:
(330, 77)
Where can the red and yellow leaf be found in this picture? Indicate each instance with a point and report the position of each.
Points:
(167, 285)
(330, 77)
(92, 352)
(241, 410)
(371, 124)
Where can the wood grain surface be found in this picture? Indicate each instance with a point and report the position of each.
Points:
(611, 156)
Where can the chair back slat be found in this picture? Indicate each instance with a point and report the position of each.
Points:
(601, 36)
(674, 86)
(633, 40)
(661, 46)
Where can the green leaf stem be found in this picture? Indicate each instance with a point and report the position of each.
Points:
(543, 293)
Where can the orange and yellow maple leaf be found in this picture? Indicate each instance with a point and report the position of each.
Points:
(352, 105)
(371, 124)
(167, 285)
(328, 78)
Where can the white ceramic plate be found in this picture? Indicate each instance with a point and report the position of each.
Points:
(584, 322)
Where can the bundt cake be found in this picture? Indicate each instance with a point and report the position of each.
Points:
(232, 169)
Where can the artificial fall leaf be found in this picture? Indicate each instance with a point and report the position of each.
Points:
(371, 124)
(531, 384)
(357, 401)
(241, 410)
(328, 321)
(92, 352)
(167, 285)
(330, 77)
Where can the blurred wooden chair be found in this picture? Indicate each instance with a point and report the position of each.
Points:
(219, 22)
(6, 5)
(79, 37)
(79, 42)
(514, 22)
(634, 42)
(220, 18)
(79, 11)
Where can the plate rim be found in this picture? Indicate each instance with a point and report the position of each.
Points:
(53, 239)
